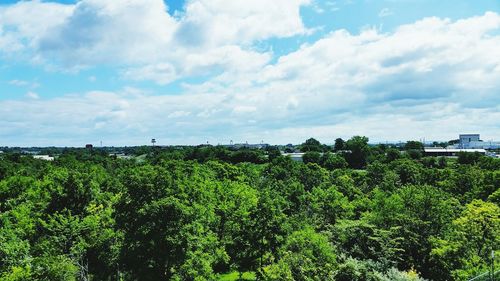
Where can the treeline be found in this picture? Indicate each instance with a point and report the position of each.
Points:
(350, 212)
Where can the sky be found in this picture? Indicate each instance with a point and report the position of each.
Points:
(123, 72)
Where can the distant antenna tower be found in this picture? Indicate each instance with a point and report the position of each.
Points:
(153, 141)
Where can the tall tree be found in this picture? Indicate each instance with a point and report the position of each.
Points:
(339, 144)
(358, 152)
(311, 144)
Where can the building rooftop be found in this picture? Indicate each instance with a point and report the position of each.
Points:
(293, 154)
(453, 150)
(44, 157)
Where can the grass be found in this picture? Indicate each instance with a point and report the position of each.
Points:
(234, 276)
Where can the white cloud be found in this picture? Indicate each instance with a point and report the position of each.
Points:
(428, 60)
(243, 109)
(179, 114)
(317, 7)
(161, 73)
(32, 95)
(19, 83)
(116, 32)
(433, 78)
(23, 24)
(9, 43)
(385, 12)
(140, 36)
(332, 5)
(416, 80)
(218, 22)
(227, 59)
(23, 83)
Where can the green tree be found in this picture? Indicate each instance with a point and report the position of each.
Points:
(355, 270)
(363, 240)
(392, 154)
(306, 255)
(419, 213)
(332, 161)
(339, 144)
(328, 205)
(311, 144)
(273, 152)
(415, 145)
(468, 158)
(311, 157)
(465, 250)
(409, 172)
(358, 152)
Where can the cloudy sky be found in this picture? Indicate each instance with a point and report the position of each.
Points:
(188, 72)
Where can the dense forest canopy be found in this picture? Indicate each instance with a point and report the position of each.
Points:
(351, 211)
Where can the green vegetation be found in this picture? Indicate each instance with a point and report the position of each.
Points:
(235, 276)
(349, 212)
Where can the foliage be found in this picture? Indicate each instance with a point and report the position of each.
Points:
(416, 145)
(466, 249)
(311, 157)
(358, 152)
(362, 212)
(306, 255)
(311, 145)
(332, 161)
(339, 144)
(468, 158)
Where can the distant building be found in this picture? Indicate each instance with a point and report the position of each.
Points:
(465, 140)
(31, 152)
(44, 157)
(247, 145)
(89, 146)
(438, 151)
(121, 156)
(295, 156)
(473, 141)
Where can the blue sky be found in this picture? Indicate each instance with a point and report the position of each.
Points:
(187, 72)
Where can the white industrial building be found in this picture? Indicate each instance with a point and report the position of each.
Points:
(294, 155)
(473, 141)
(44, 157)
(439, 151)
